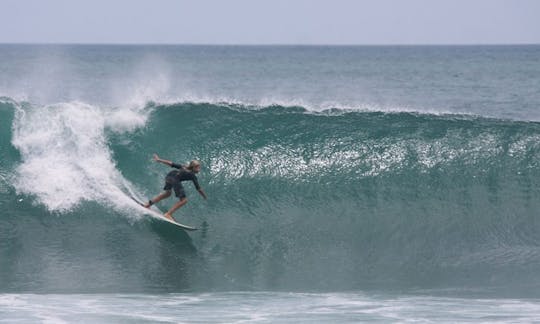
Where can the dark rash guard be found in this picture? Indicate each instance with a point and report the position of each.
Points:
(183, 174)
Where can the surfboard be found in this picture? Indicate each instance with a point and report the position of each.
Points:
(160, 216)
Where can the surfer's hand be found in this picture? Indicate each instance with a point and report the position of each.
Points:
(156, 157)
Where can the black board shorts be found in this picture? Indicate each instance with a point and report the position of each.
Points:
(172, 182)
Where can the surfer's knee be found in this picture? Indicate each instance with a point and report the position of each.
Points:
(167, 193)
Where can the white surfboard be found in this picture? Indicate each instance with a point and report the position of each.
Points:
(160, 216)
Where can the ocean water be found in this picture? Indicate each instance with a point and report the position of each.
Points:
(345, 184)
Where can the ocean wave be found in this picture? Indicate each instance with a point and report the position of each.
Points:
(380, 199)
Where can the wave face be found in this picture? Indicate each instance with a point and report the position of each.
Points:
(331, 201)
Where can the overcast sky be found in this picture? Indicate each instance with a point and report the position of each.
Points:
(271, 21)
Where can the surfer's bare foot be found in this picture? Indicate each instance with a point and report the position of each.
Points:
(169, 216)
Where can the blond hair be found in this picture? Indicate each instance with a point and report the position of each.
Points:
(193, 164)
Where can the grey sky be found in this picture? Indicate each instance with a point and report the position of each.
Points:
(271, 22)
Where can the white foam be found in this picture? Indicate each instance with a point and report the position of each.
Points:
(65, 157)
(282, 307)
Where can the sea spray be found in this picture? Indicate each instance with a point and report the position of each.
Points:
(65, 157)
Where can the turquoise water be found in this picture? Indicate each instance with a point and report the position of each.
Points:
(394, 177)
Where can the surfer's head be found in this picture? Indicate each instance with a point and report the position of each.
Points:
(194, 166)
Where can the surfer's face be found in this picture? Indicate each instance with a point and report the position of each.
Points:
(197, 168)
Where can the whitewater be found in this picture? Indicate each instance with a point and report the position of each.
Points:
(345, 184)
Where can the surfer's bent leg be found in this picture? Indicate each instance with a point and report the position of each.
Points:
(175, 207)
(158, 198)
(170, 182)
(181, 194)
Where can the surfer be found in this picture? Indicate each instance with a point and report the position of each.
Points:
(173, 180)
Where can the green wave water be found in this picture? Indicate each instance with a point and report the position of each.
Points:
(330, 201)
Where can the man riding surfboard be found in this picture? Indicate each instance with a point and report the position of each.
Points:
(173, 181)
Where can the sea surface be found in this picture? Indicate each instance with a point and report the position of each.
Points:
(345, 183)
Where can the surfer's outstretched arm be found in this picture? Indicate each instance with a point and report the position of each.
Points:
(201, 192)
(160, 160)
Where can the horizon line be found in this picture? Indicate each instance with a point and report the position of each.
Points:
(268, 44)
